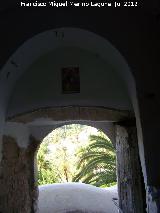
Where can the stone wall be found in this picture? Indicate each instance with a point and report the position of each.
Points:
(153, 199)
(129, 171)
(18, 192)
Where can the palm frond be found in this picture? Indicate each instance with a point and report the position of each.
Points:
(97, 163)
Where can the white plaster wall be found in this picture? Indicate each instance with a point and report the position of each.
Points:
(46, 42)
(40, 86)
(18, 131)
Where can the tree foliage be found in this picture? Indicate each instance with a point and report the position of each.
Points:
(71, 153)
(97, 164)
(57, 157)
(45, 168)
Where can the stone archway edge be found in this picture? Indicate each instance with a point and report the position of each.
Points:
(67, 113)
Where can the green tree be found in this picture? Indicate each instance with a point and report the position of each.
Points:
(57, 156)
(97, 165)
(46, 173)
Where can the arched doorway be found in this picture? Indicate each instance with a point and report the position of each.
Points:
(60, 174)
(63, 148)
(107, 91)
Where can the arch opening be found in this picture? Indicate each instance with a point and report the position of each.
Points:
(64, 146)
(21, 103)
(61, 169)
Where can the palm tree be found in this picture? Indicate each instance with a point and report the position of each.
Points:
(97, 165)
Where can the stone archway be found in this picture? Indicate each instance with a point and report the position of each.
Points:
(18, 165)
(47, 41)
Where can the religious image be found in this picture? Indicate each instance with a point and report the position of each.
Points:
(70, 80)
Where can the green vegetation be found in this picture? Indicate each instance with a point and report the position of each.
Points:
(97, 165)
(46, 172)
(76, 153)
(57, 154)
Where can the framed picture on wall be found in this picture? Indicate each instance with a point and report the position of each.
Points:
(70, 80)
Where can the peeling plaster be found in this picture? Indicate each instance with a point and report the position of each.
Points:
(18, 131)
(18, 190)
